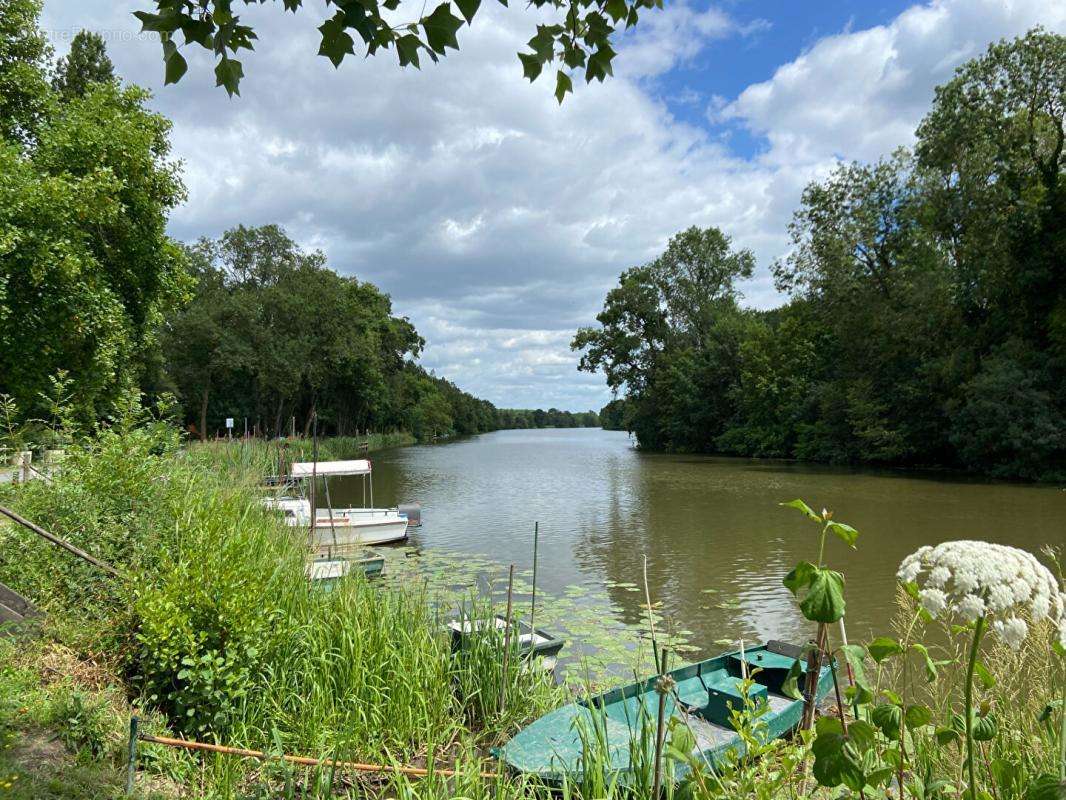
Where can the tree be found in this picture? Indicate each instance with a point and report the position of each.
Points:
(87, 270)
(668, 337)
(927, 318)
(994, 139)
(24, 58)
(580, 39)
(86, 65)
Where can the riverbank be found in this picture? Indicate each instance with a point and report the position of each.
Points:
(215, 634)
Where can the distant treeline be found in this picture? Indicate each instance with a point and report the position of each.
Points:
(552, 418)
(926, 324)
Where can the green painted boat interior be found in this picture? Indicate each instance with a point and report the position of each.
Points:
(704, 696)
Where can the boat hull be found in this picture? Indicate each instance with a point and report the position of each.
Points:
(551, 748)
(359, 526)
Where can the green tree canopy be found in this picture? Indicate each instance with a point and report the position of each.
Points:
(927, 318)
(86, 268)
(86, 65)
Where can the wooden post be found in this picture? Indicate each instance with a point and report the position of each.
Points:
(506, 639)
(814, 668)
(660, 726)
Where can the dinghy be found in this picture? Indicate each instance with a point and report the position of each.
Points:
(325, 572)
(532, 643)
(551, 748)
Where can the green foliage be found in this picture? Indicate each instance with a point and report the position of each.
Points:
(273, 334)
(84, 66)
(927, 319)
(87, 269)
(581, 38)
(24, 56)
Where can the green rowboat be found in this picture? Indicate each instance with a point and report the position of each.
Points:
(551, 748)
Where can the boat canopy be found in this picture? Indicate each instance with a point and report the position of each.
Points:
(304, 469)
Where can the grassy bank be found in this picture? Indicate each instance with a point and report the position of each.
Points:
(214, 633)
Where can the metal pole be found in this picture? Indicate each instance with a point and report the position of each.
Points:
(506, 639)
(314, 469)
(131, 764)
(533, 602)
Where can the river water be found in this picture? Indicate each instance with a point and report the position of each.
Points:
(716, 541)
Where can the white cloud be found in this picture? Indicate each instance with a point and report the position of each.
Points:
(860, 94)
(498, 220)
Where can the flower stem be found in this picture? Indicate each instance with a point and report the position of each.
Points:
(1062, 728)
(979, 630)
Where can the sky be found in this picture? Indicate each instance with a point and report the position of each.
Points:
(498, 220)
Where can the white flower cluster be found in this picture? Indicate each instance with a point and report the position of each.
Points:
(972, 579)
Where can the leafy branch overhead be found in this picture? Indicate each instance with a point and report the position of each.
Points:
(579, 41)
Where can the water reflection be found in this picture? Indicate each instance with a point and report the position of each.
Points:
(716, 542)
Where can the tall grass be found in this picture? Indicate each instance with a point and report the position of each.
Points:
(215, 625)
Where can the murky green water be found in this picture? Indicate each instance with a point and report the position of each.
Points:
(716, 541)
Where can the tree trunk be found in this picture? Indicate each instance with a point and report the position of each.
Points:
(203, 413)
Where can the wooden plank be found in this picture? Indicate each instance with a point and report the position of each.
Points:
(17, 603)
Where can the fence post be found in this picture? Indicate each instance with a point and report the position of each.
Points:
(131, 766)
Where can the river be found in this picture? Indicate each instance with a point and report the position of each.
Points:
(716, 541)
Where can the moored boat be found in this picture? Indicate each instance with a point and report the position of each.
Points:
(534, 643)
(339, 527)
(326, 571)
(704, 694)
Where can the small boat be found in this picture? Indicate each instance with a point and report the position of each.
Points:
(534, 643)
(339, 527)
(551, 748)
(327, 571)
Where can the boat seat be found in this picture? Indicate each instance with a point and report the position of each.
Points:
(725, 695)
(772, 667)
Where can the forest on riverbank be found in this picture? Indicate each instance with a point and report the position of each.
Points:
(97, 302)
(926, 315)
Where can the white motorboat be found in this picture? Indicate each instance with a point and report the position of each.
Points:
(336, 528)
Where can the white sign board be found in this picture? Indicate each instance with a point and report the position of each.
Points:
(229, 422)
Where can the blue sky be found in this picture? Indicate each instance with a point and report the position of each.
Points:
(780, 31)
(497, 220)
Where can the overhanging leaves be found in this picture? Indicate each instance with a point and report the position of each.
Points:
(820, 591)
(440, 28)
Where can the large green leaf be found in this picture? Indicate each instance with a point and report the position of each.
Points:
(336, 42)
(175, 63)
(563, 85)
(228, 73)
(916, 716)
(820, 591)
(790, 686)
(440, 28)
(883, 647)
(835, 762)
(468, 8)
(800, 577)
(845, 533)
(806, 509)
(825, 597)
(888, 718)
